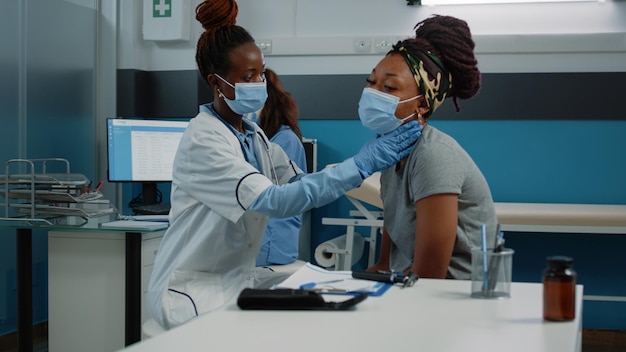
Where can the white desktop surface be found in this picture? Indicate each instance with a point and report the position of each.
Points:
(434, 315)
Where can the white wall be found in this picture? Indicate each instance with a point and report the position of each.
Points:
(316, 36)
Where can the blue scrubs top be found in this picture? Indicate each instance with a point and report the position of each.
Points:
(280, 244)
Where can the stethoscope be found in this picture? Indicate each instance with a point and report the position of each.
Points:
(266, 143)
(259, 136)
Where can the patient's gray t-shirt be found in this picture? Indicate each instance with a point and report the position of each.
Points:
(437, 164)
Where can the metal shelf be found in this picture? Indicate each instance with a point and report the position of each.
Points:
(35, 196)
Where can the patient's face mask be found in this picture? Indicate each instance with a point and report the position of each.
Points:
(249, 97)
(377, 110)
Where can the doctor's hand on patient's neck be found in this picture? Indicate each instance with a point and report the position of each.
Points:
(384, 151)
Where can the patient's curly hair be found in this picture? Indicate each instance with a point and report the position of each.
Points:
(450, 39)
(221, 35)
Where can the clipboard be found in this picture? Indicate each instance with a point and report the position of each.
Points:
(315, 278)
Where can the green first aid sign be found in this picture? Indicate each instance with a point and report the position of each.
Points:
(161, 8)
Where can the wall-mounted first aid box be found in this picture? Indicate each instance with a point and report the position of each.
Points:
(166, 19)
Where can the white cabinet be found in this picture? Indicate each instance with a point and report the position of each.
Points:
(87, 288)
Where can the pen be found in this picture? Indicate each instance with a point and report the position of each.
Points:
(99, 186)
(499, 242)
(494, 266)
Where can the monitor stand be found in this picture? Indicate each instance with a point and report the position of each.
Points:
(151, 205)
(149, 193)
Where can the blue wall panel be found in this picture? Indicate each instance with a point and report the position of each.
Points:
(547, 161)
(523, 161)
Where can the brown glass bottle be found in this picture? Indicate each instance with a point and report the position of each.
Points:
(559, 289)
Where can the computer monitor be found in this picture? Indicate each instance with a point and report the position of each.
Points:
(142, 150)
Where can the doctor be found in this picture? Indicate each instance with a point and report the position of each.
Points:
(229, 179)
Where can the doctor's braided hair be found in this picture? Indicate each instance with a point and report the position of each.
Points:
(221, 35)
(450, 40)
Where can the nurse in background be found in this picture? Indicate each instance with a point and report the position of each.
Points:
(279, 121)
(229, 179)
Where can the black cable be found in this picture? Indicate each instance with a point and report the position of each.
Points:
(138, 200)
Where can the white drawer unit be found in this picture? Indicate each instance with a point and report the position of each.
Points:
(149, 248)
(97, 283)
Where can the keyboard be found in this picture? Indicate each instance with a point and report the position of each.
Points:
(153, 209)
(134, 225)
(164, 218)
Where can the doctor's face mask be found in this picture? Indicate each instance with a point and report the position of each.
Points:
(377, 110)
(249, 97)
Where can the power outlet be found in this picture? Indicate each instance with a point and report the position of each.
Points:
(383, 44)
(265, 45)
(362, 45)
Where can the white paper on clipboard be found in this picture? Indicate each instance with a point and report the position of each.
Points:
(332, 280)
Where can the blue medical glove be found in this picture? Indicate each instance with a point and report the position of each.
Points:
(384, 151)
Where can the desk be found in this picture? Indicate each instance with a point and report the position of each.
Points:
(434, 315)
(132, 288)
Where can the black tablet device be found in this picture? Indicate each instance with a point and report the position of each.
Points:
(293, 299)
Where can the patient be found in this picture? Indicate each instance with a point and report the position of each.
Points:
(279, 121)
(435, 200)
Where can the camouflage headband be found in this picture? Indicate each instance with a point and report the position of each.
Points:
(432, 79)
